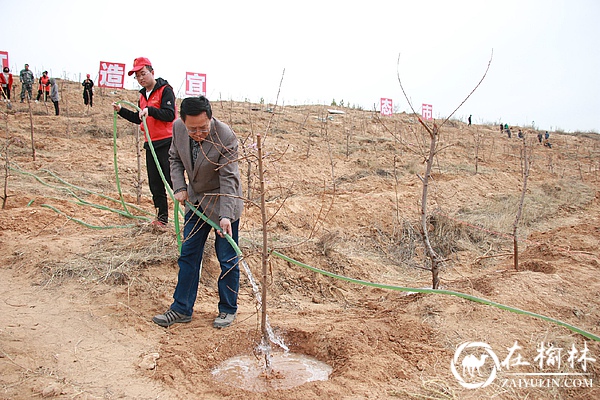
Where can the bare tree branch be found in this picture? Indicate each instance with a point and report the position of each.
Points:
(472, 91)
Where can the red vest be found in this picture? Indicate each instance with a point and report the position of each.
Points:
(44, 80)
(158, 129)
(4, 81)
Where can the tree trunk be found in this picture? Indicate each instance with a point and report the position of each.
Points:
(433, 134)
(521, 203)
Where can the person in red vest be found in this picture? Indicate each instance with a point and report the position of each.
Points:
(44, 87)
(157, 104)
(6, 80)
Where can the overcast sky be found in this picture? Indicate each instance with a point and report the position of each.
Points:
(544, 71)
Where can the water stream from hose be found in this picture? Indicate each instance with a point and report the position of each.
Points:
(264, 348)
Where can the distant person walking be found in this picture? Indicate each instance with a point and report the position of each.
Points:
(54, 96)
(501, 128)
(540, 136)
(6, 79)
(157, 102)
(44, 87)
(546, 140)
(26, 77)
(470, 120)
(88, 91)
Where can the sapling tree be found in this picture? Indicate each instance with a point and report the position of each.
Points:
(433, 131)
(31, 125)
(66, 106)
(260, 158)
(478, 139)
(260, 140)
(6, 167)
(138, 157)
(5, 193)
(526, 158)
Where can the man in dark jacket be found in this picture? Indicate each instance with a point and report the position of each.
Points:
(88, 91)
(157, 104)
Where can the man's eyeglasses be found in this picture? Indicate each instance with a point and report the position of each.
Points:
(199, 130)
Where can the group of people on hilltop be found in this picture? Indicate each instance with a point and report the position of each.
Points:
(197, 157)
(47, 87)
(542, 138)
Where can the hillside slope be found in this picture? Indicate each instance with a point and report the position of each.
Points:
(343, 195)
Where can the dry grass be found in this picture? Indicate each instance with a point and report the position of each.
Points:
(541, 204)
(449, 236)
(114, 260)
(429, 390)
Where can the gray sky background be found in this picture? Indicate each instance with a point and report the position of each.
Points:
(544, 71)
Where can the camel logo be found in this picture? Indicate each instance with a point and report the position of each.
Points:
(475, 372)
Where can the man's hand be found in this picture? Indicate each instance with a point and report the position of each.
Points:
(144, 113)
(181, 197)
(225, 224)
(116, 107)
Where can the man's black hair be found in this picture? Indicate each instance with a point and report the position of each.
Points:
(195, 106)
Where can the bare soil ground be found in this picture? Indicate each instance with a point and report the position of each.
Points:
(343, 192)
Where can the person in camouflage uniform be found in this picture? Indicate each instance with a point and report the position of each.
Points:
(26, 77)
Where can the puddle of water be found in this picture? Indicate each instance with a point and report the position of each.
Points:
(288, 370)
